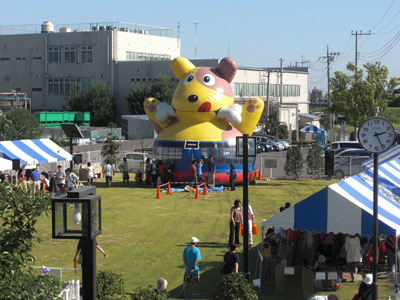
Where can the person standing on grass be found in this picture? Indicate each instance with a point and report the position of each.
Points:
(192, 173)
(125, 170)
(250, 220)
(90, 173)
(191, 257)
(235, 221)
(232, 177)
(199, 171)
(211, 167)
(60, 179)
(108, 172)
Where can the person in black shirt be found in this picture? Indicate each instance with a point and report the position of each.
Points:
(231, 261)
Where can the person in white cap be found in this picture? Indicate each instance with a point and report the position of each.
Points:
(191, 257)
(330, 297)
(365, 288)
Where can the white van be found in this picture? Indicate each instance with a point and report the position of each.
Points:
(344, 144)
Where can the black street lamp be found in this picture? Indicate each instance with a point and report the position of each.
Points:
(77, 215)
(246, 147)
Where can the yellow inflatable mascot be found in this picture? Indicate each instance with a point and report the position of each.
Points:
(203, 110)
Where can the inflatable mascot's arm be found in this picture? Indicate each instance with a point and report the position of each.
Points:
(158, 113)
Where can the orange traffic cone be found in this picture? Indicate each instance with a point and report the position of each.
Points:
(205, 189)
(158, 192)
(169, 189)
(255, 173)
(259, 175)
(196, 194)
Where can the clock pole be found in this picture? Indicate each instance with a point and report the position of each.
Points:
(375, 231)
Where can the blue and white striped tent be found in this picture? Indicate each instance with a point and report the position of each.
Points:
(390, 154)
(311, 129)
(347, 206)
(33, 151)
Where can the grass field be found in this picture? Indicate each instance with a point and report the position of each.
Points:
(144, 236)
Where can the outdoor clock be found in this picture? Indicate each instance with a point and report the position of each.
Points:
(376, 134)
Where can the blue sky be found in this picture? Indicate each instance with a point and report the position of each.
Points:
(256, 33)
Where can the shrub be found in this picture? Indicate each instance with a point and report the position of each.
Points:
(19, 212)
(110, 286)
(235, 286)
(148, 294)
(314, 161)
(294, 162)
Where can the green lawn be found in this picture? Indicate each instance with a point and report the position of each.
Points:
(144, 236)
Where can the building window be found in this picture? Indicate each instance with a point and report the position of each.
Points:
(84, 84)
(36, 89)
(68, 55)
(64, 86)
(20, 58)
(4, 58)
(141, 56)
(53, 54)
(260, 90)
(86, 55)
(36, 58)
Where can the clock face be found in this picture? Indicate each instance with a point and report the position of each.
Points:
(376, 134)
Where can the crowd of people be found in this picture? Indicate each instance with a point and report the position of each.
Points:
(160, 172)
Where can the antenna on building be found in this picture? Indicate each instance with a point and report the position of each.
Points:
(195, 39)
(179, 29)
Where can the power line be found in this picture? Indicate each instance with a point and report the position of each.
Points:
(390, 22)
(380, 20)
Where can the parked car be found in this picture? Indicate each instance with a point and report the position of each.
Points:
(344, 144)
(275, 145)
(136, 160)
(352, 153)
(349, 166)
(285, 143)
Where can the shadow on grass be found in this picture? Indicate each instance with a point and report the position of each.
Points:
(208, 245)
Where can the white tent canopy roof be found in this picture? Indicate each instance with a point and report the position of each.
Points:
(33, 151)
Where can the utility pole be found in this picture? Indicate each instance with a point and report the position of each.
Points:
(179, 29)
(330, 56)
(195, 39)
(357, 34)
(302, 62)
(269, 74)
(281, 84)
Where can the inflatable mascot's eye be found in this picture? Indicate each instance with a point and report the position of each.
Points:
(209, 79)
(188, 79)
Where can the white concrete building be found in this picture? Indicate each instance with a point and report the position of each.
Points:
(47, 63)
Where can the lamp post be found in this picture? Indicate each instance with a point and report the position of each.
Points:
(242, 150)
(77, 215)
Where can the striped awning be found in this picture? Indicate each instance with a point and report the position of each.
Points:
(35, 151)
(311, 129)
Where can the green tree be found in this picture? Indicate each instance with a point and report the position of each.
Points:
(110, 150)
(272, 126)
(162, 89)
(314, 161)
(110, 286)
(17, 124)
(354, 96)
(294, 162)
(98, 100)
(19, 211)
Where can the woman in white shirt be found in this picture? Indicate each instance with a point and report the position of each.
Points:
(90, 173)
